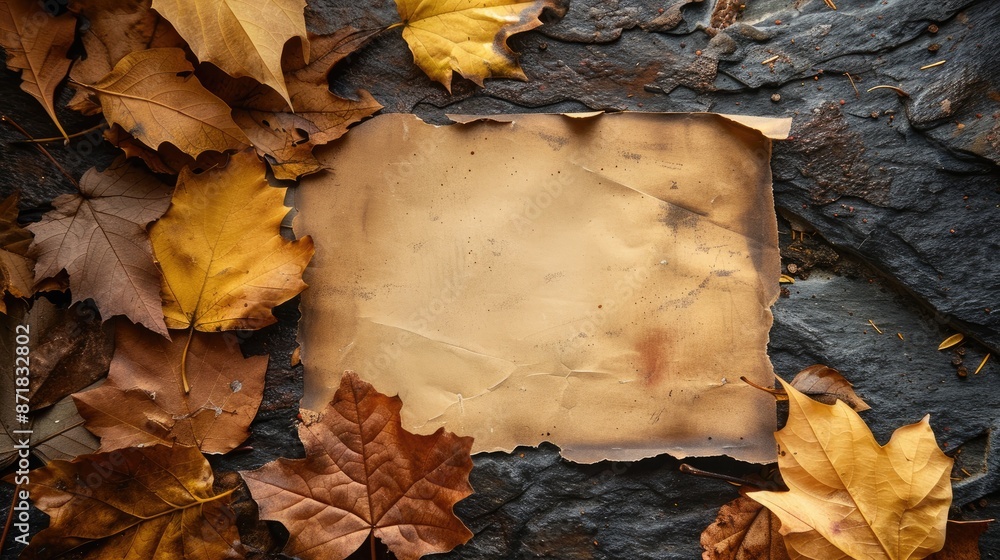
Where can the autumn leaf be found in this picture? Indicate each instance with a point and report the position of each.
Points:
(115, 29)
(70, 349)
(242, 37)
(284, 137)
(36, 44)
(467, 36)
(848, 496)
(743, 530)
(168, 160)
(16, 276)
(962, 542)
(219, 246)
(138, 503)
(154, 95)
(56, 432)
(144, 403)
(364, 477)
(826, 385)
(99, 237)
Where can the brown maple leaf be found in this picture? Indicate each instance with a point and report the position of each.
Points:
(285, 137)
(115, 29)
(743, 530)
(36, 44)
(99, 237)
(16, 276)
(364, 477)
(143, 401)
(149, 503)
(827, 385)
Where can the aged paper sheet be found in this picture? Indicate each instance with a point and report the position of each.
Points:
(599, 282)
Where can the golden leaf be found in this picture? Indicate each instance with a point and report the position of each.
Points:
(36, 44)
(155, 97)
(848, 496)
(219, 246)
(467, 36)
(952, 340)
(242, 37)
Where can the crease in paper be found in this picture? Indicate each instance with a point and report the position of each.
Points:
(599, 282)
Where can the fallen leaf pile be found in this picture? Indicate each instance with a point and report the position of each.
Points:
(180, 240)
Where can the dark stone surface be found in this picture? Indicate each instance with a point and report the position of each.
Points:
(903, 202)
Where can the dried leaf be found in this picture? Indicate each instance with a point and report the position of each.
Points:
(70, 349)
(827, 385)
(962, 542)
(848, 496)
(99, 238)
(364, 475)
(211, 281)
(242, 37)
(952, 340)
(36, 44)
(155, 97)
(150, 503)
(57, 432)
(467, 36)
(287, 138)
(168, 159)
(116, 29)
(144, 403)
(743, 530)
(16, 276)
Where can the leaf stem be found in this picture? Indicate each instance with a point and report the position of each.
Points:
(395, 25)
(371, 542)
(184, 379)
(779, 394)
(10, 518)
(10, 122)
(98, 126)
(688, 469)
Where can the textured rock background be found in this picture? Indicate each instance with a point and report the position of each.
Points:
(899, 198)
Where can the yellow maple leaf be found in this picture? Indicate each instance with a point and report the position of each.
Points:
(219, 247)
(242, 37)
(848, 496)
(467, 36)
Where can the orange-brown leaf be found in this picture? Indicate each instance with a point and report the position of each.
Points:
(961, 540)
(16, 276)
(143, 401)
(364, 474)
(36, 44)
(99, 237)
(743, 530)
(827, 385)
(116, 29)
(284, 137)
(139, 503)
(154, 95)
